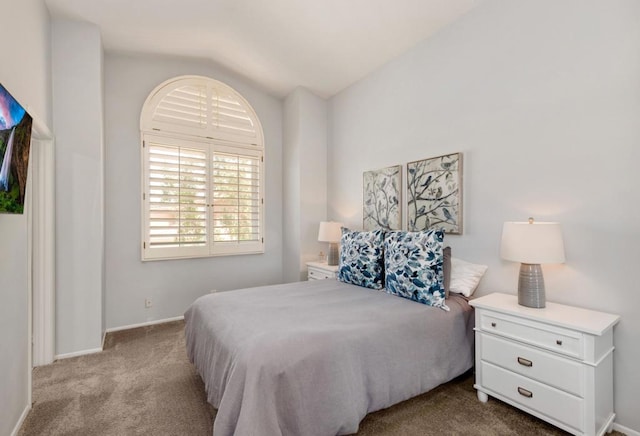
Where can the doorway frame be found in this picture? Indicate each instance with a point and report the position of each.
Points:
(41, 248)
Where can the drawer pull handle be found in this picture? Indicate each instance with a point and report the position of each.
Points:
(558, 341)
(524, 392)
(525, 362)
(493, 324)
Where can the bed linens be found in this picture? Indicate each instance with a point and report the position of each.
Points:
(313, 358)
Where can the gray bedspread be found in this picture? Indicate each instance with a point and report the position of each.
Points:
(313, 358)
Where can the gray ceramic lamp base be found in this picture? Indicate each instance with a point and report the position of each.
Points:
(531, 286)
(333, 257)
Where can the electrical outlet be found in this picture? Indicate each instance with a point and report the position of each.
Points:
(147, 303)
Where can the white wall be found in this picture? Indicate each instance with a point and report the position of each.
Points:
(291, 189)
(173, 285)
(78, 126)
(25, 72)
(305, 180)
(543, 99)
(13, 320)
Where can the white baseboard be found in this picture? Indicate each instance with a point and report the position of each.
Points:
(625, 430)
(144, 324)
(78, 353)
(116, 329)
(25, 412)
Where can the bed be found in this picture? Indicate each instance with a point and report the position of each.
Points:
(313, 358)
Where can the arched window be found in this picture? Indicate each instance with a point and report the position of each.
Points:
(203, 171)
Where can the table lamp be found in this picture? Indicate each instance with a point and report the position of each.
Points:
(331, 232)
(532, 243)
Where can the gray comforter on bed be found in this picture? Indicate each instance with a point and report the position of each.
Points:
(313, 358)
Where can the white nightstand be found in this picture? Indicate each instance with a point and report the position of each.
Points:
(321, 271)
(555, 363)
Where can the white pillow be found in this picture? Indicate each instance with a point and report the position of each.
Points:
(465, 276)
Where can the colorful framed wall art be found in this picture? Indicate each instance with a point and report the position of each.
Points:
(15, 142)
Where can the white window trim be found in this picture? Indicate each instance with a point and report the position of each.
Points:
(211, 140)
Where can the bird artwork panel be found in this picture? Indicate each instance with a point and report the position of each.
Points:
(434, 194)
(381, 199)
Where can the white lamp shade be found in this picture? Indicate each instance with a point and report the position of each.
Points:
(532, 243)
(330, 231)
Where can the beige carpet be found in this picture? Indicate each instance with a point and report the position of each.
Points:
(143, 384)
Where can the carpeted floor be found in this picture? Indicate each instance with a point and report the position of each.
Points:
(143, 384)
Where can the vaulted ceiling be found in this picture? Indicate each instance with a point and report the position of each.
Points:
(324, 45)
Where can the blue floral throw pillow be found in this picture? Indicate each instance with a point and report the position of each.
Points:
(362, 258)
(413, 263)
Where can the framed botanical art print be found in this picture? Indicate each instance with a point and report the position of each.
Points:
(381, 199)
(434, 190)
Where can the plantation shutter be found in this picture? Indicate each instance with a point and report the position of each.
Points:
(201, 107)
(203, 171)
(176, 191)
(184, 106)
(229, 116)
(236, 197)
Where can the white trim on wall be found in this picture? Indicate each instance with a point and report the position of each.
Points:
(144, 324)
(28, 211)
(37, 241)
(18, 425)
(40, 253)
(41, 236)
(117, 329)
(42, 233)
(625, 430)
(77, 353)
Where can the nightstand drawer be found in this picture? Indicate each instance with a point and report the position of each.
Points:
(539, 365)
(552, 338)
(316, 274)
(551, 402)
